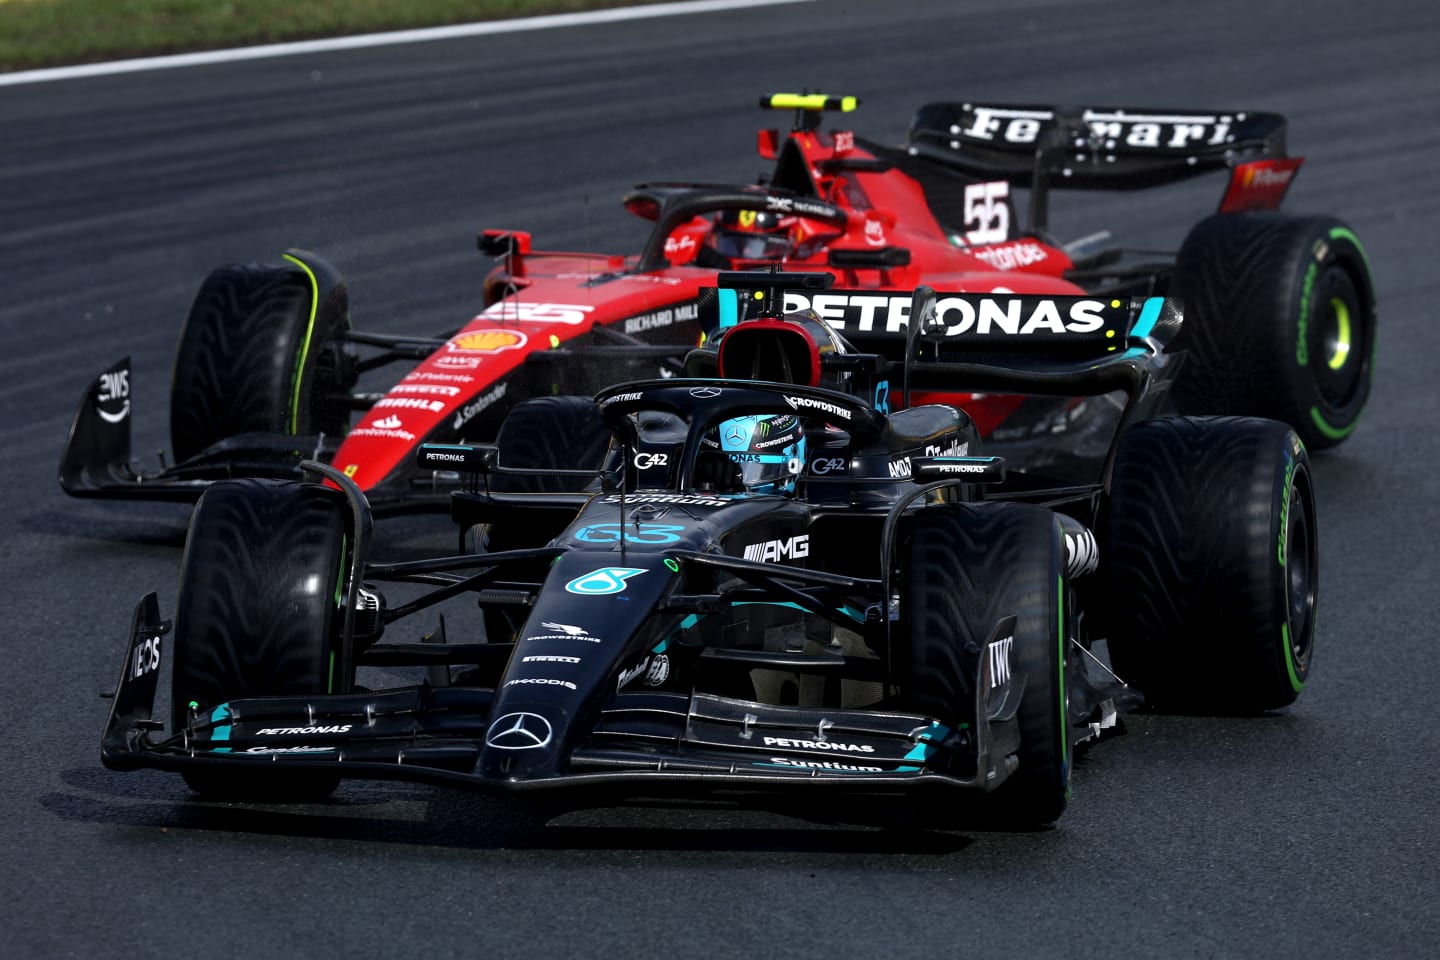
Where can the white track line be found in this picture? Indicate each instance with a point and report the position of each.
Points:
(383, 39)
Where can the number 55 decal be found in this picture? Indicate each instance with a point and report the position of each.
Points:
(987, 212)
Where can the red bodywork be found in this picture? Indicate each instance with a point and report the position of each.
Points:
(890, 240)
(559, 297)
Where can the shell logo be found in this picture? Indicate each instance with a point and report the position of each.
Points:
(488, 341)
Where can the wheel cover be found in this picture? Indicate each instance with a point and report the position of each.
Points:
(1339, 347)
(1338, 336)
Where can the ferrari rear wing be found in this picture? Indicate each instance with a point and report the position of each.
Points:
(1107, 148)
(1095, 148)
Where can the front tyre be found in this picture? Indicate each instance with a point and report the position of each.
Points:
(1211, 563)
(1279, 322)
(969, 566)
(259, 614)
(261, 351)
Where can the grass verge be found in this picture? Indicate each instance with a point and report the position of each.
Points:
(47, 33)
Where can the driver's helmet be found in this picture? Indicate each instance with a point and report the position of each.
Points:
(768, 449)
(751, 238)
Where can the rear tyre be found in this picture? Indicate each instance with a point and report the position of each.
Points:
(969, 566)
(259, 614)
(261, 352)
(1279, 322)
(1210, 560)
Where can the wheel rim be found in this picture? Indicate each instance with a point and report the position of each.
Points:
(1299, 578)
(1338, 335)
(1338, 348)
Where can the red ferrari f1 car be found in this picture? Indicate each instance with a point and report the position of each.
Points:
(1280, 309)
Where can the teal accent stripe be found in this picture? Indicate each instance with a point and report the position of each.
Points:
(925, 748)
(447, 446)
(1149, 314)
(729, 308)
(219, 715)
(692, 619)
(852, 614)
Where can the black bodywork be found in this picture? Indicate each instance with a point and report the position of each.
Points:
(642, 625)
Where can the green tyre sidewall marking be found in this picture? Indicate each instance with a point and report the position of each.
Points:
(1302, 331)
(304, 352)
(1334, 433)
(1295, 682)
(1365, 289)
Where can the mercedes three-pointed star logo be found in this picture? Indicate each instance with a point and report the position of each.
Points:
(519, 731)
(704, 393)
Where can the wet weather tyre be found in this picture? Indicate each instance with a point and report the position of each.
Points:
(258, 615)
(553, 433)
(1279, 322)
(968, 567)
(1209, 555)
(260, 352)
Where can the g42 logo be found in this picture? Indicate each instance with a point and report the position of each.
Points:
(633, 533)
(644, 461)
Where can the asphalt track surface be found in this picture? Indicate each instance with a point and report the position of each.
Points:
(1307, 834)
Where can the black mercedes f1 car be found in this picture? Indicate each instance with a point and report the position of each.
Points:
(755, 578)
